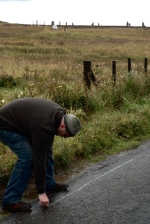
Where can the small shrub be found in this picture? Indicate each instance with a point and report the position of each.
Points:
(7, 81)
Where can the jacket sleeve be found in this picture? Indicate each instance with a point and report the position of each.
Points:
(42, 142)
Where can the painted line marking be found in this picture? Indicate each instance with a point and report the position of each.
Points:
(110, 171)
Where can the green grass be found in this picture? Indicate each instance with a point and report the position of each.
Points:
(37, 61)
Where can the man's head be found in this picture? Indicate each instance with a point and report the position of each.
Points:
(69, 126)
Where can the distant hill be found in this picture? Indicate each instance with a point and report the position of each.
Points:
(75, 26)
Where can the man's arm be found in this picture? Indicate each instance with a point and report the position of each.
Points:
(42, 142)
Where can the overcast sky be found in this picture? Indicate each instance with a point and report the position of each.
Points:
(78, 12)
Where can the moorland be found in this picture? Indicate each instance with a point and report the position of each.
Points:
(38, 61)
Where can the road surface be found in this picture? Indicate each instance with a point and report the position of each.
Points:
(113, 191)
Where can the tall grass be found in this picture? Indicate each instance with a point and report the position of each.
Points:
(41, 62)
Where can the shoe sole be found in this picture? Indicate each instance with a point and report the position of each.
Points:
(62, 189)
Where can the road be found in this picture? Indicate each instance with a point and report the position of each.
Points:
(113, 191)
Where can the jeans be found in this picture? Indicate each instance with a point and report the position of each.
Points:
(23, 168)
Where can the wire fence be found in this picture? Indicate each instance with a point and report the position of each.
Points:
(89, 75)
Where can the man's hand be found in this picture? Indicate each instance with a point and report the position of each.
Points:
(43, 200)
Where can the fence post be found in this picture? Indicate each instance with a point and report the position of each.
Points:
(145, 65)
(87, 72)
(129, 64)
(114, 71)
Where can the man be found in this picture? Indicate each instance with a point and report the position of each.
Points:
(28, 127)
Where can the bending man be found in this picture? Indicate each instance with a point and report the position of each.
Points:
(28, 127)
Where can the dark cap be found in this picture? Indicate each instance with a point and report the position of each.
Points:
(72, 124)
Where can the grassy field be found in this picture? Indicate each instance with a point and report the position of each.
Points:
(38, 61)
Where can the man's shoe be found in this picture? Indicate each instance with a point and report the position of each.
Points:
(57, 188)
(17, 207)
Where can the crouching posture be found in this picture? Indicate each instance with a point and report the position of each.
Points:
(28, 127)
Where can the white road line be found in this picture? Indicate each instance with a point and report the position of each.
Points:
(95, 180)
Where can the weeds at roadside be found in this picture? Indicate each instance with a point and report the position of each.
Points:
(36, 62)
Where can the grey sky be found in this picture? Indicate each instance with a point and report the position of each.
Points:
(14, 0)
(78, 12)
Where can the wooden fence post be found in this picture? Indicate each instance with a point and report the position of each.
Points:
(129, 64)
(145, 65)
(114, 71)
(87, 73)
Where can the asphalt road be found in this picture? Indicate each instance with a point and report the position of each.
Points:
(114, 191)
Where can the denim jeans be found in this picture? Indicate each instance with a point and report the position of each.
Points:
(23, 168)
